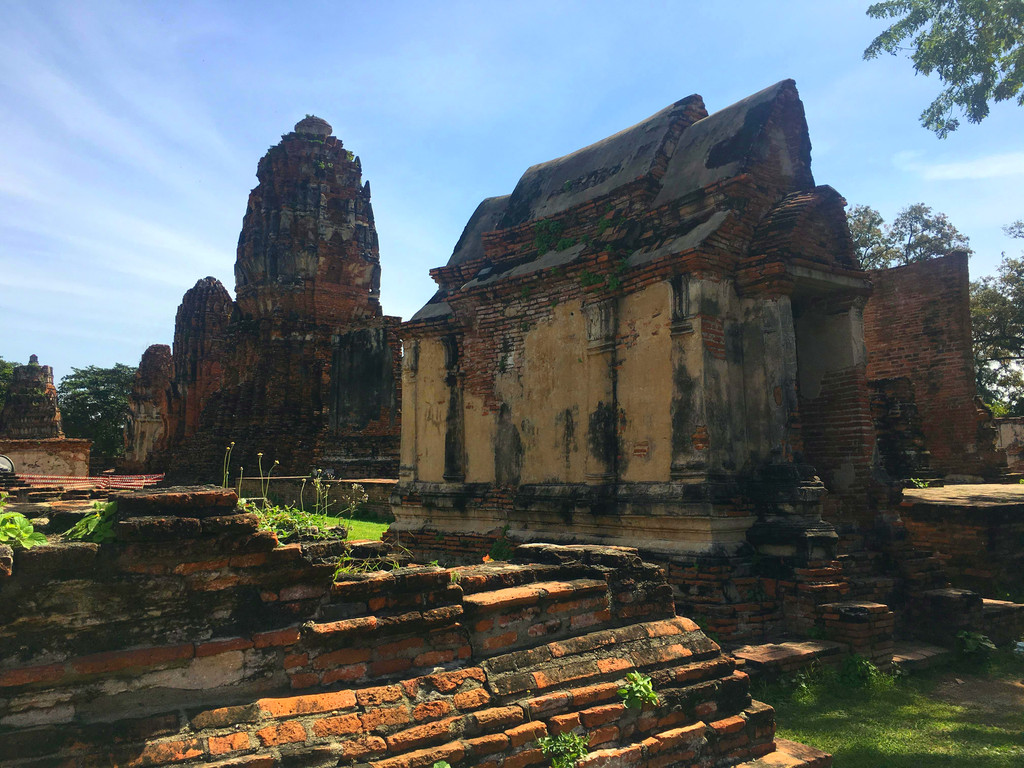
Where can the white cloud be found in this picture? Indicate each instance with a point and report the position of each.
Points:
(985, 167)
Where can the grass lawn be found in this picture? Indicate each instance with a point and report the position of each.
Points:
(361, 529)
(953, 716)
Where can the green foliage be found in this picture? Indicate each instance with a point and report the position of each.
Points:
(442, 764)
(997, 329)
(6, 374)
(94, 405)
(226, 464)
(565, 749)
(290, 522)
(974, 645)
(916, 234)
(858, 672)
(97, 526)
(16, 529)
(588, 278)
(547, 235)
(565, 242)
(502, 548)
(976, 47)
(919, 483)
(637, 691)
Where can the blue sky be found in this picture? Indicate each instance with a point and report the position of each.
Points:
(130, 132)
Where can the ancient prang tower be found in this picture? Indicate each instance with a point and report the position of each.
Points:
(302, 367)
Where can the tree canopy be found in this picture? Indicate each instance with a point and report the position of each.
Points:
(6, 374)
(94, 404)
(997, 321)
(915, 234)
(976, 47)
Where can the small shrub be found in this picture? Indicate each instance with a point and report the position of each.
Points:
(858, 672)
(97, 526)
(974, 646)
(289, 522)
(442, 764)
(565, 749)
(637, 691)
(501, 549)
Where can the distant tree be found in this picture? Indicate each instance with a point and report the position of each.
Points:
(916, 234)
(6, 373)
(94, 405)
(997, 321)
(975, 46)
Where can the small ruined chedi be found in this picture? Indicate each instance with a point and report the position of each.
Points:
(302, 366)
(31, 433)
(654, 341)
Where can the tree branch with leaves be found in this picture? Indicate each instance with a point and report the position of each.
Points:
(976, 47)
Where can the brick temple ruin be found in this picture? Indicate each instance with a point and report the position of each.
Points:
(658, 341)
(653, 377)
(31, 430)
(302, 366)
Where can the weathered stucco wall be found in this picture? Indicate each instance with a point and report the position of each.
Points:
(58, 456)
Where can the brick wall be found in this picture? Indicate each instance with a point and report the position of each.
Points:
(917, 325)
(193, 639)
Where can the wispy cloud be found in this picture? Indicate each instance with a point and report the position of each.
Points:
(985, 167)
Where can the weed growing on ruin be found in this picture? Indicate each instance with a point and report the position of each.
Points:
(501, 549)
(565, 749)
(919, 483)
(289, 522)
(637, 691)
(546, 234)
(588, 279)
(349, 565)
(97, 526)
(974, 647)
(226, 465)
(16, 529)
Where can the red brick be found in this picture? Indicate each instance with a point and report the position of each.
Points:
(285, 733)
(525, 733)
(363, 746)
(47, 673)
(222, 646)
(469, 700)
(337, 726)
(385, 718)
(115, 661)
(220, 745)
(291, 706)
(431, 710)
(167, 752)
(280, 637)
(342, 657)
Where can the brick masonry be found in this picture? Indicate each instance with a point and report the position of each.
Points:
(917, 325)
(252, 654)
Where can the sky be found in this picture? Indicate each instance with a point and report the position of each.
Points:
(130, 131)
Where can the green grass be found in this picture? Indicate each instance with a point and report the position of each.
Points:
(928, 719)
(361, 529)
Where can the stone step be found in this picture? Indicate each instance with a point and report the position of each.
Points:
(910, 655)
(774, 659)
(790, 754)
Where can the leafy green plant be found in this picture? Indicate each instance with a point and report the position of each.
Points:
(501, 549)
(97, 526)
(858, 672)
(565, 749)
(973, 644)
(546, 235)
(588, 278)
(290, 522)
(348, 565)
(16, 529)
(918, 482)
(442, 764)
(637, 691)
